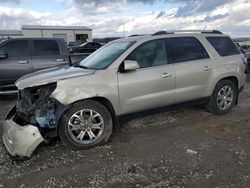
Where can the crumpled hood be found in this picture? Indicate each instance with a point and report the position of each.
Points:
(51, 75)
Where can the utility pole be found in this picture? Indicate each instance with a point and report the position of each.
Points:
(205, 27)
(123, 30)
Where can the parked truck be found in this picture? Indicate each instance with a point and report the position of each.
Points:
(22, 56)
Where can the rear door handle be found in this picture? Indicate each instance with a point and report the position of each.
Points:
(165, 75)
(206, 68)
(23, 62)
(60, 60)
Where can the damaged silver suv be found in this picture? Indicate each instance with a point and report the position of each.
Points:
(80, 103)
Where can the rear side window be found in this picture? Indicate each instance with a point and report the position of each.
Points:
(18, 48)
(183, 49)
(46, 47)
(223, 45)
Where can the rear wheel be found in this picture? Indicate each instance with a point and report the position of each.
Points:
(86, 124)
(223, 98)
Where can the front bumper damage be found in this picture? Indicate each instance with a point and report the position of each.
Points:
(32, 121)
(20, 141)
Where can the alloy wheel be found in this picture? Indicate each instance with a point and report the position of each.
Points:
(85, 126)
(225, 98)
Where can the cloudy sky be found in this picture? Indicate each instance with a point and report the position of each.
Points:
(126, 17)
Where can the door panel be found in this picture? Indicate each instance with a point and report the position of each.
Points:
(150, 86)
(192, 79)
(43, 62)
(193, 67)
(18, 62)
(146, 88)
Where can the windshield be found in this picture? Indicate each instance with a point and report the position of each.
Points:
(106, 55)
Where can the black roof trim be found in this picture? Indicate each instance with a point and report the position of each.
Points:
(162, 33)
(136, 35)
(213, 31)
(190, 31)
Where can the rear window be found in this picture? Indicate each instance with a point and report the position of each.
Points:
(183, 49)
(223, 45)
(46, 47)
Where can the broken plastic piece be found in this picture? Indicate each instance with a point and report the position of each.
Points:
(192, 152)
(20, 140)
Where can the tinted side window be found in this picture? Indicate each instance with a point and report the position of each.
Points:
(223, 45)
(150, 54)
(183, 49)
(18, 48)
(46, 47)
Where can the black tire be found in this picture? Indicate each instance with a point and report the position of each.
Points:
(87, 104)
(213, 106)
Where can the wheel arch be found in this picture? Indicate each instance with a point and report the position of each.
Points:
(61, 132)
(212, 104)
(106, 103)
(233, 79)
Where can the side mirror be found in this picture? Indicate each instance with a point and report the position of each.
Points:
(3, 54)
(130, 65)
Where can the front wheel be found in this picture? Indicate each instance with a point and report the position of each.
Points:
(223, 98)
(85, 125)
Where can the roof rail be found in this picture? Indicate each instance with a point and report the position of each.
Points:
(212, 31)
(136, 35)
(187, 31)
(162, 33)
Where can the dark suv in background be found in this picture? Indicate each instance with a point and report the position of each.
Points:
(87, 47)
(25, 55)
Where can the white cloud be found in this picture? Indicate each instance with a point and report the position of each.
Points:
(95, 7)
(112, 18)
(13, 18)
(13, 1)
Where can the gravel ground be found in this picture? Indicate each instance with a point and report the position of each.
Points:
(186, 147)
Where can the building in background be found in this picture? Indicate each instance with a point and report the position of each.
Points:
(244, 43)
(7, 34)
(79, 34)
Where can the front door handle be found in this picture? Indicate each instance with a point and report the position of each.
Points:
(165, 75)
(60, 60)
(23, 62)
(206, 68)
